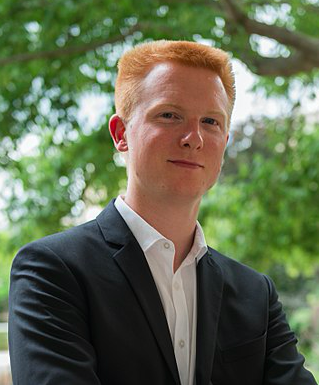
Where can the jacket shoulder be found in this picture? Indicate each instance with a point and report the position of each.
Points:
(72, 238)
(77, 249)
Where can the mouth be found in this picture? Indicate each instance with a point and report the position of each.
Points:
(186, 163)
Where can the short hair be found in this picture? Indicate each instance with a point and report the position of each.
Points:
(135, 64)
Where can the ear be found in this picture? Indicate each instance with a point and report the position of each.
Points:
(118, 133)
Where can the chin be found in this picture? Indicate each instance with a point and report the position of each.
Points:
(187, 194)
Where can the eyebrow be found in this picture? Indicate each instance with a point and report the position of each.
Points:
(217, 112)
(166, 105)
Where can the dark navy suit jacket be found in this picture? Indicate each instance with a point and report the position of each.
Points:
(84, 310)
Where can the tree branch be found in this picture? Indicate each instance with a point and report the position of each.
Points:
(307, 45)
(292, 65)
(64, 51)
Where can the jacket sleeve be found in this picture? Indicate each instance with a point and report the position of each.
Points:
(283, 365)
(49, 338)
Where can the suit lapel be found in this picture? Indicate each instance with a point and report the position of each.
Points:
(209, 296)
(133, 264)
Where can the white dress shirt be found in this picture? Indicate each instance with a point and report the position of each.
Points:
(178, 291)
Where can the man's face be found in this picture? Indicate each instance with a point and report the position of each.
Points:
(177, 134)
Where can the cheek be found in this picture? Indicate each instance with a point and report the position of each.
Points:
(145, 151)
(215, 150)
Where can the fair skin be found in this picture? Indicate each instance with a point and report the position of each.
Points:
(174, 143)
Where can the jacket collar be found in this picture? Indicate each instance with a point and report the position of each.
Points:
(209, 296)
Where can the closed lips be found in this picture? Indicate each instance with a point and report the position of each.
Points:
(185, 163)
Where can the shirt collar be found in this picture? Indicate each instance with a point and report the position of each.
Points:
(147, 236)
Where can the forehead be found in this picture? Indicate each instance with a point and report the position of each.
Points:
(171, 70)
(175, 81)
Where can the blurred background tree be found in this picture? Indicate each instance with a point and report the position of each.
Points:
(58, 56)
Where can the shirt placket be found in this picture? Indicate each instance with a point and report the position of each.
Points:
(181, 335)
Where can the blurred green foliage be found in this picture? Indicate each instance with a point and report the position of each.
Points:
(3, 341)
(6, 255)
(56, 55)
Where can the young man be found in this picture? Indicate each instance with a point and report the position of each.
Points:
(136, 296)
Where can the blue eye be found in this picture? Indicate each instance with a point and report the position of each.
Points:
(210, 121)
(167, 115)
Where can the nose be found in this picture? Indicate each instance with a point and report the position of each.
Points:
(192, 137)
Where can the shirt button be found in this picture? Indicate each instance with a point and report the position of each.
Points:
(166, 245)
(176, 286)
(181, 343)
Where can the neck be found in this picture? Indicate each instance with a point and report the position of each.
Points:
(175, 219)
